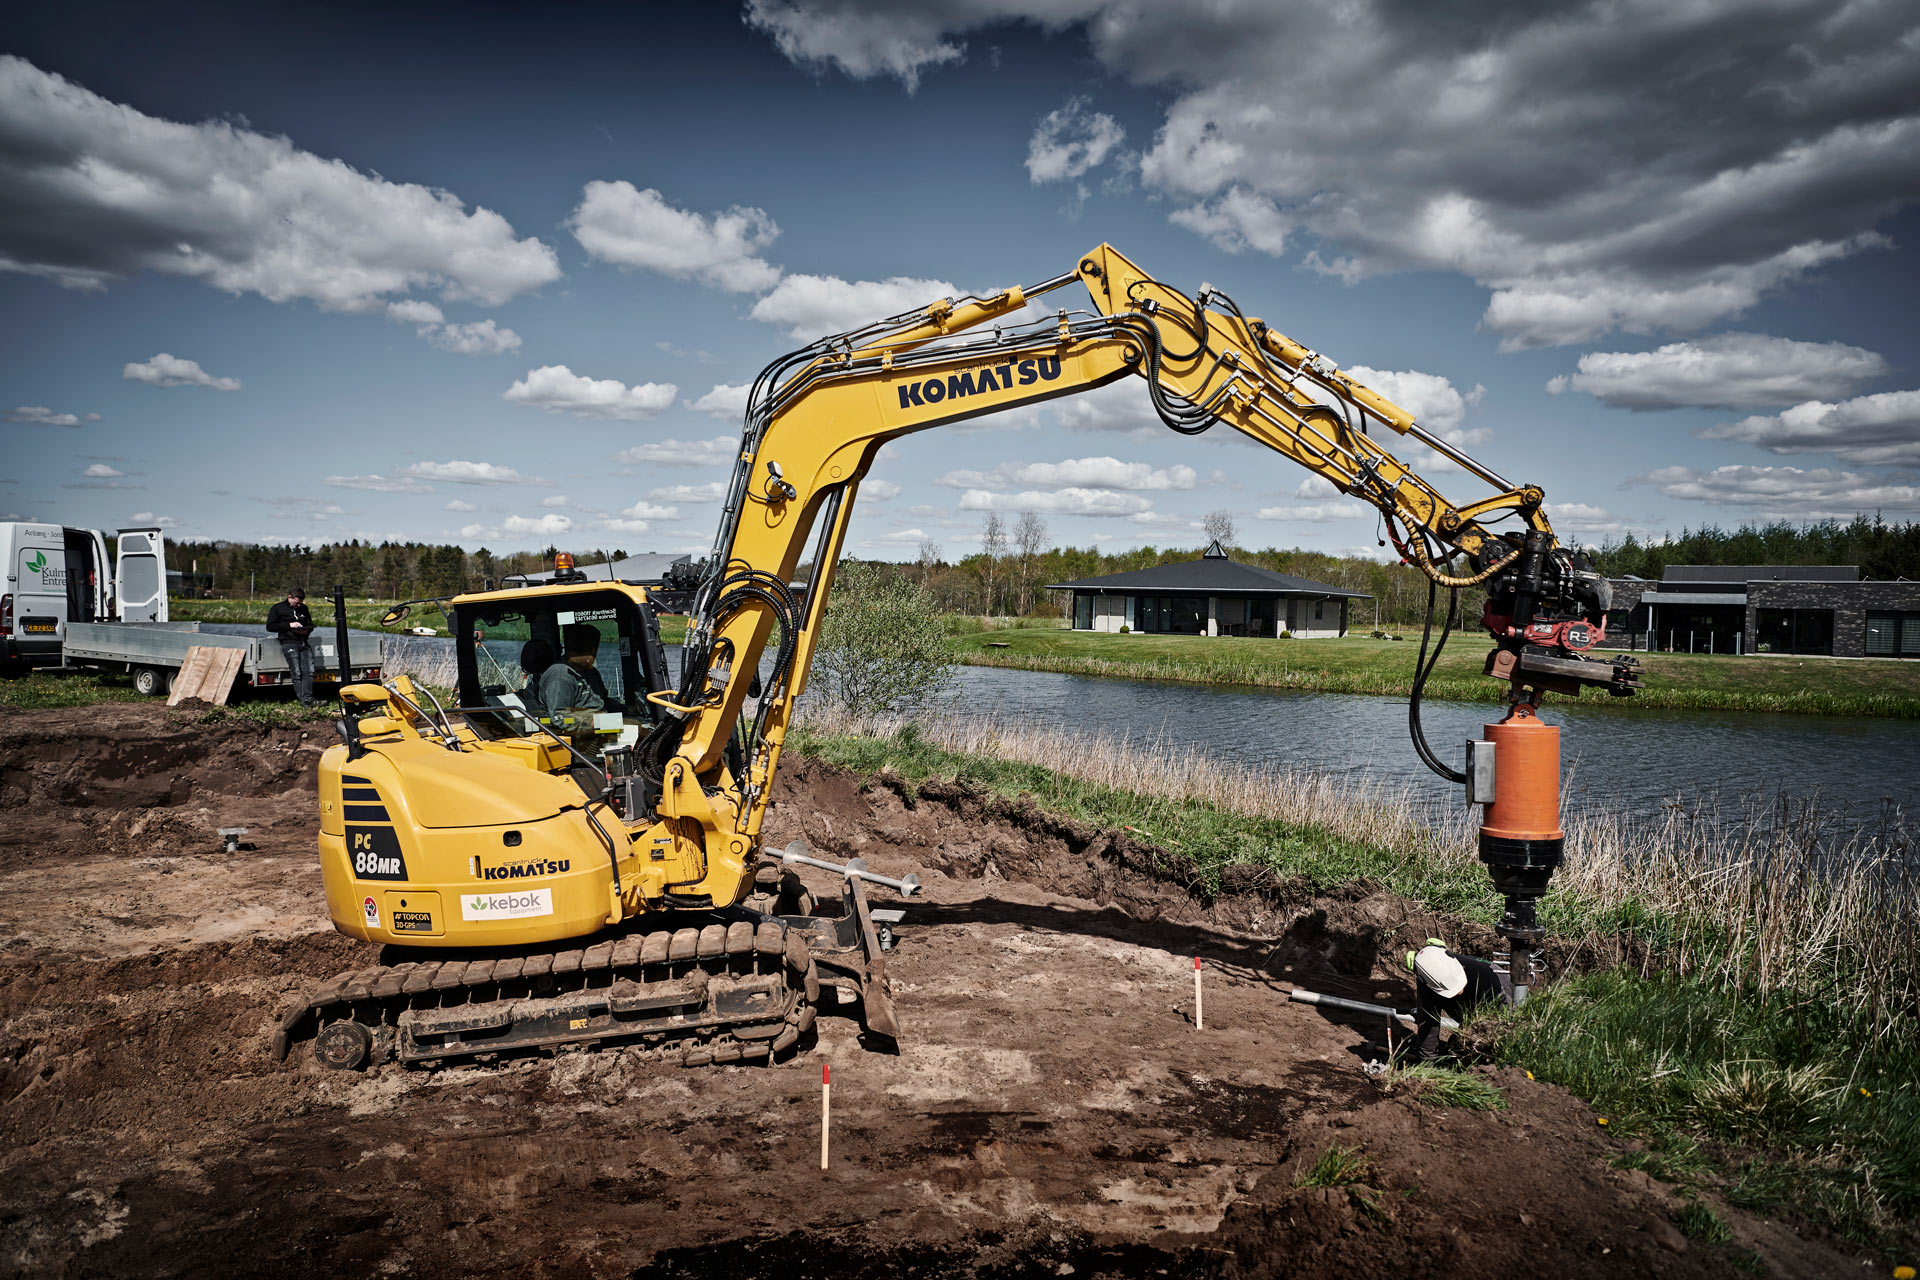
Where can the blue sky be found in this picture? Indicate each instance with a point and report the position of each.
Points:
(461, 274)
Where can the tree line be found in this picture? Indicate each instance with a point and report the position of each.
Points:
(1882, 550)
(385, 570)
(1017, 561)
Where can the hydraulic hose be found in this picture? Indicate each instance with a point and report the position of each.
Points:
(1423, 668)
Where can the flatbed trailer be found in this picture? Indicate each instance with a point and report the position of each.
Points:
(151, 652)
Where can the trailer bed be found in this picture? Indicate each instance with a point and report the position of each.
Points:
(151, 652)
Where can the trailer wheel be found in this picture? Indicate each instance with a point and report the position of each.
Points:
(152, 681)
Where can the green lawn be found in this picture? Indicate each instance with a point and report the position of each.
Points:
(1358, 665)
(360, 614)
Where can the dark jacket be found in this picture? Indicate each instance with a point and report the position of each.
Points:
(282, 616)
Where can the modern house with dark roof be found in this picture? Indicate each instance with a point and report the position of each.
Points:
(1211, 596)
(1767, 608)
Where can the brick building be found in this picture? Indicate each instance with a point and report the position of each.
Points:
(1211, 596)
(1806, 609)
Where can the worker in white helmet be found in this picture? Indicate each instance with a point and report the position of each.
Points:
(1449, 985)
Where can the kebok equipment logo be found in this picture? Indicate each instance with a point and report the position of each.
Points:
(506, 906)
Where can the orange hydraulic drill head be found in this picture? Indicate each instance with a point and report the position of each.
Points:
(1520, 837)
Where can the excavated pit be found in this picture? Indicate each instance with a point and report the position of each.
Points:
(1051, 1111)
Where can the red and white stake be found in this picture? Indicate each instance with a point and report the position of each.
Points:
(1198, 1022)
(826, 1106)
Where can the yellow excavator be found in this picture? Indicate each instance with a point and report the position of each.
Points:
(570, 855)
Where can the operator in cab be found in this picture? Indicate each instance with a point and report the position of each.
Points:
(575, 682)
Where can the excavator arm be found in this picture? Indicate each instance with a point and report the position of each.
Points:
(818, 417)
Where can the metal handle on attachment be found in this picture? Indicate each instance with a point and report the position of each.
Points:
(854, 870)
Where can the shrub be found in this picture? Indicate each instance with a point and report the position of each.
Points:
(883, 647)
(1286, 634)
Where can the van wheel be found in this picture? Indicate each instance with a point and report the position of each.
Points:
(151, 681)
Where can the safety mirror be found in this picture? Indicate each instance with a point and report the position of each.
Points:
(395, 615)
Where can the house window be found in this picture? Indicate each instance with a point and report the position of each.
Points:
(1082, 611)
(1793, 630)
(1319, 610)
(1893, 635)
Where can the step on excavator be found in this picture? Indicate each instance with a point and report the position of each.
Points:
(570, 855)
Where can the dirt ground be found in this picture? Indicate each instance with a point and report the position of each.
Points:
(1051, 1110)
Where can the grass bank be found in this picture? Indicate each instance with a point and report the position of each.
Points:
(49, 690)
(1352, 664)
(1776, 982)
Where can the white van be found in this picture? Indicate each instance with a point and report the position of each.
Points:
(56, 574)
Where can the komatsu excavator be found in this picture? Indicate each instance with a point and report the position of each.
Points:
(546, 876)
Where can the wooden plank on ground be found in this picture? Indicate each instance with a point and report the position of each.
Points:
(208, 674)
(226, 669)
(187, 680)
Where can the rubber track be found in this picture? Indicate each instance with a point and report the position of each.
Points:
(376, 997)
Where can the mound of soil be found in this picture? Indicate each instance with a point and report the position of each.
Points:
(1051, 1109)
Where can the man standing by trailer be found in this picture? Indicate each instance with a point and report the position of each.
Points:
(290, 621)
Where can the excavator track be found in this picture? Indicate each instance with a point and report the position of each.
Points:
(736, 991)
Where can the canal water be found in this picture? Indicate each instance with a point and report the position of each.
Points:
(1862, 775)
(1640, 757)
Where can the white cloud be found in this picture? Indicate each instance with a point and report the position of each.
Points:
(1634, 166)
(1315, 512)
(1071, 141)
(171, 371)
(723, 402)
(481, 338)
(1436, 404)
(1433, 400)
(815, 306)
(621, 524)
(898, 538)
(1238, 220)
(149, 520)
(1066, 502)
(415, 311)
(878, 490)
(716, 452)
(617, 223)
(543, 525)
(1317, 487)
(101, 471)
(1788, 492)
(647, 511)
(689, 492)
(558, 389)
(462, 472)
(1725, 371)
(555, 500)
(1086, 473)
(862, 42)
(1582, 517)
(378, 484)
(458, 504)
(92, 191)
(1879, 429)
(41, 416)
(1123, 408)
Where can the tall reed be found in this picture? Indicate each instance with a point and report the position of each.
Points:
(1764, 901)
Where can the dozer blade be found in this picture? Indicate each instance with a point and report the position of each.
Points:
(740, 989)
(846, 948)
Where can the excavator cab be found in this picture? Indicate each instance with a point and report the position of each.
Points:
(572, 660)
